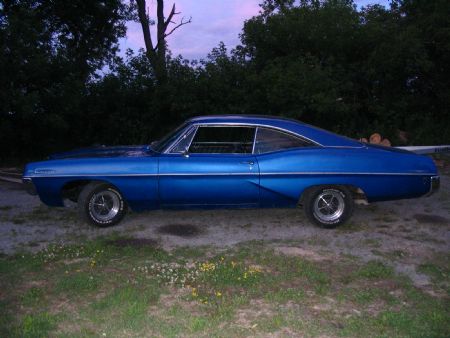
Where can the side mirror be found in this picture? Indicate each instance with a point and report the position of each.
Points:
(185, 153)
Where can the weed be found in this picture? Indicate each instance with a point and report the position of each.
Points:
(32, 296)
(198, 324)
(125, 307)
(369, 295)
(285, 295)
(375, 269)
(189, 252)
(37, 325)
(77, 283)
(436, 272)
(272, 323)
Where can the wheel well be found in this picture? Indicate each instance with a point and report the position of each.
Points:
(358, 194)
(72, 189)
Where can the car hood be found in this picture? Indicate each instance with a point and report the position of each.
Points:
(104, 151)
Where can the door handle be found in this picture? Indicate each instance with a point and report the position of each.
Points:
(248, 162)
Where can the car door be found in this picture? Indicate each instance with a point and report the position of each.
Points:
(212, 165)
(282, 157)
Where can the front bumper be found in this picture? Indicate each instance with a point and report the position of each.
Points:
(435, 183)
(29, 186)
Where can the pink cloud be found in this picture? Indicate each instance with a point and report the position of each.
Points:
(212, 21)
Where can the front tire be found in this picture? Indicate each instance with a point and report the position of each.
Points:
(101, 204)
(328, 206)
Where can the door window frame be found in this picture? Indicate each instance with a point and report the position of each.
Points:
(195, 128)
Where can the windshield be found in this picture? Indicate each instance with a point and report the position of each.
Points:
(160, 145)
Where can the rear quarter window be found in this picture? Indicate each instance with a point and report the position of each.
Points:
(269, 140)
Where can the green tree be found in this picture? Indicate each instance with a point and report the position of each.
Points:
(49, 51)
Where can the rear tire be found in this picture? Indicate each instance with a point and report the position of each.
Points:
(328, 206)
(101, 204)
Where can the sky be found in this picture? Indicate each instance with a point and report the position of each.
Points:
(212, 21)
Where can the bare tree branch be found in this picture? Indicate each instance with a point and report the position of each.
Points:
(182, 23)
(169, 18)
(157, 54)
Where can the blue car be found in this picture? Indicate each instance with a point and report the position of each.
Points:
(233, 162)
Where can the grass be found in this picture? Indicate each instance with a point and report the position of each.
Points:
(102, 288)
(367, 296)
(438, 273)
(32, 296)
(77, 283)
(286, 295)
(375, 270)
(37, 325)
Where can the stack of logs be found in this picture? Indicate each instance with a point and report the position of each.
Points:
(377, 139)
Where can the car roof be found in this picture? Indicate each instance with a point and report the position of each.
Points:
(320, 136)
(240, 118)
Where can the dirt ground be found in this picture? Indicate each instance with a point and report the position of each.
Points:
(403, 234)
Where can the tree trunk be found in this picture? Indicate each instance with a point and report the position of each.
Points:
(157, 53)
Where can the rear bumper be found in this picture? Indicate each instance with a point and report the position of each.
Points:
(29, 186)
(435, 183)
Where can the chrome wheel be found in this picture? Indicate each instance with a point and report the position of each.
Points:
(329, 206)
(104, 205)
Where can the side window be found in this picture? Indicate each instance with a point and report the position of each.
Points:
(268, 140)
(223, 140)
(183, 143)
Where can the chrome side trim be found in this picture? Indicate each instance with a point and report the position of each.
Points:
(87, 175)
(290, 173)
(344, 173)
(211, 174)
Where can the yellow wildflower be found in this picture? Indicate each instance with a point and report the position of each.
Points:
(204, 267)
(194, 292)
(254, 269)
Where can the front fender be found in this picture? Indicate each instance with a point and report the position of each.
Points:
(136, 178)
